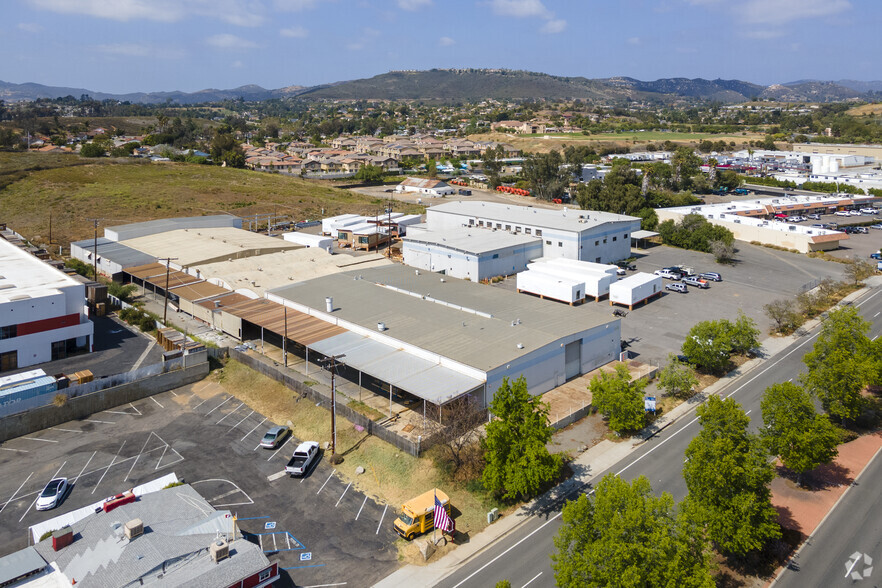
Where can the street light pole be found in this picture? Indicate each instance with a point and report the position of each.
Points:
(331, 364)
(168, 261)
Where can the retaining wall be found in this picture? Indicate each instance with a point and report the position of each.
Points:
(81, 406)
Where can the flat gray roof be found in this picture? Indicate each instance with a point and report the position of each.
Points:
(464, 321)
(19, 563)
(568, 219)
(475, 241)
(116, 252)
(162, 225)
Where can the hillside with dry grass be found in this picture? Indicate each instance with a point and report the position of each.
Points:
(72, 190)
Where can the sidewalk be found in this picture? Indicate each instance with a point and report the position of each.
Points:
(589, 464)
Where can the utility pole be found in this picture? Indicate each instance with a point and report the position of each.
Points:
(168, 261)
(331, 364)
(285, 340)
(95, 249)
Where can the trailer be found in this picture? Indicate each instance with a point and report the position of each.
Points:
(584, 266)
(595, 284)
(24, 386)
(635, 289)
(328, 224)
(309, 240)
(557, 288)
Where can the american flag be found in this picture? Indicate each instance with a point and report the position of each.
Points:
(442, 521)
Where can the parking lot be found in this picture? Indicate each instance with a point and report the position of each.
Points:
(758, 276)
(321, 530)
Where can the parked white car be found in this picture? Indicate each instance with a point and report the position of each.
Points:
(842, 213)
(868, 211)
(52, 494)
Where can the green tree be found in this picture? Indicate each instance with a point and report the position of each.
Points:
(783, 312)
(728, 473)
(743, 334)
(841, 363)
(708, 346)
(370, 174)
(626, 536)
(794, 431)
(619, 399)
(492, 164)
(546, 177)
(122, 291)
(858, 269)
(518, 464)
(93, 150)
(677, 378)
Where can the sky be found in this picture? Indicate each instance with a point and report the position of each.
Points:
(121, 46)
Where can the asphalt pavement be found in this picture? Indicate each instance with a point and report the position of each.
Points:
(846, 550)
(522, 556)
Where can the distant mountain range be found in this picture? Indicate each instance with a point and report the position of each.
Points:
(449, 85)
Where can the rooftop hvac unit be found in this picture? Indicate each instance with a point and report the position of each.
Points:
(134, 528)
(219, 550)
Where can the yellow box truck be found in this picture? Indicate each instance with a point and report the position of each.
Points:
(418, 514)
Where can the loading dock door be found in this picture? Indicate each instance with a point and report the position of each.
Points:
(573, 359)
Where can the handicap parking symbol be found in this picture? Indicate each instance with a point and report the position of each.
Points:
(271, 525)
(306, 556)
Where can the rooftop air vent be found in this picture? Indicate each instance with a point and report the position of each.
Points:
(381, 326)
(219, 550)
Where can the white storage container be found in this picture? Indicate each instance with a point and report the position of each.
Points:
(547, 286)
(634, 289)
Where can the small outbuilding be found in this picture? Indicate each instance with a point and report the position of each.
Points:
(635, 289)
(427, 187)
(309, 240)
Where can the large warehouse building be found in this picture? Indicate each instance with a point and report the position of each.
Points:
(470, 254)
(42, 311)
(586, 235)
(438, 338)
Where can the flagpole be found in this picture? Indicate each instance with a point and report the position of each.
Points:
(434, 517)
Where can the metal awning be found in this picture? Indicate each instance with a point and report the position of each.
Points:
(643, 234)
(422, 378)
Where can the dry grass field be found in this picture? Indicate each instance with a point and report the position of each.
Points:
(73, 189)
(559, 141)
(866, 110)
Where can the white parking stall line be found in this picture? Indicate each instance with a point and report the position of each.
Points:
(276, 476)
(362, 506)
(342, 495)
(38, 493)
(218, 406)
(174, 393)
(107, 469)
(16, 450)
(101, 422)
(38, 439)
(84, 468)
(164, 449)
(252, 430)
(326, 481)
(224, 495)
(381, 520)
(531, 581)
(229, 413)
(279, 450)
(16, 492)
(242, 421)
(157, 402)
(274, 542)
(180, 459)
(250, 501)
(66, 430)
(201, 403)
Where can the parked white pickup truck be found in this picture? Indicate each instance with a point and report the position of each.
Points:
(303, 457)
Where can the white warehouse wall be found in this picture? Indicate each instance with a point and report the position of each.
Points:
(458, 264)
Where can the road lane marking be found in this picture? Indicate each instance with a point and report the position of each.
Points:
(66, 430)
(483, 567)
(362, 506)
(218, 406)
(40, 492)
(381, 523)
(326, 481)
(230, 413)
(342, 495)
(16, 492)
(102, 422)
(531, 581)
(157, 402)
(279, 450)
(252, 430)
(143, 356)
(84, 468)
(38, 439)
(16, 450)
(107, 469)
(243, 420)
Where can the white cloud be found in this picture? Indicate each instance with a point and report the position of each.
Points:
(554, 26)
(777, 12)
(236, 12)
(294, 32)
(763, 34)
(29, 27)
(139, 50)
(520, 8)
(295, 5)
(413, 5)
(446, 41)
(784, 11)
(228, 41)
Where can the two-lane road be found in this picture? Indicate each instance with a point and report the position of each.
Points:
(523, 556)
